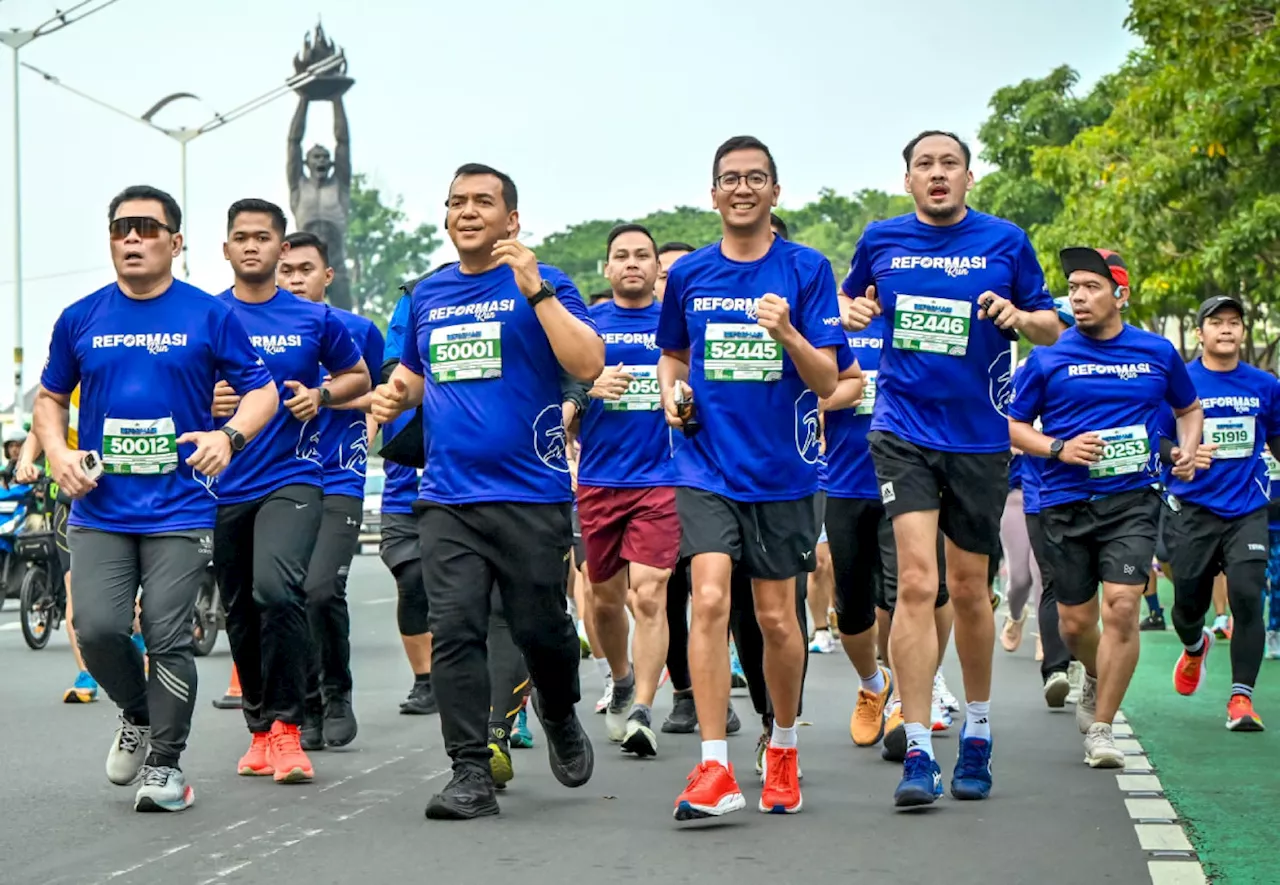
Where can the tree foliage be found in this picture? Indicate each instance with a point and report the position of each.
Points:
(382, 251)
(1183, 177)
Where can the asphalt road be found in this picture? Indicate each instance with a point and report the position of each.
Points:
(1050, 820)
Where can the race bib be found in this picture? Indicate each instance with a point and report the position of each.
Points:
(145, 447)
(1273, 466)
(1232, 436)
(740, 352)
(868, 404)
(932, 325)
(1125, 450)
(642, 394)
(466, 352)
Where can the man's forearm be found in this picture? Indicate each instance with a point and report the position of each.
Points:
(673, 366)
(578, 349)
(49, 420)
(256, 408)
(1190, 430)
(1041, 327)
(847, 395)
(346, 386)
(1031, 441)
(817, 368)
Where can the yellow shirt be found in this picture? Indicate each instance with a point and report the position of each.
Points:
(73, 420)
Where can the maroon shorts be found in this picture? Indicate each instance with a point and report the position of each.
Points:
(628, 525)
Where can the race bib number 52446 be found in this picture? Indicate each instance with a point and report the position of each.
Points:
(932, 325)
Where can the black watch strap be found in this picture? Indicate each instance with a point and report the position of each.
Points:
(237, 438)
(547, 291)
(1055, 449)
(326, 395)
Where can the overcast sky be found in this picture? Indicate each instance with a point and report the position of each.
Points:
(596, 109)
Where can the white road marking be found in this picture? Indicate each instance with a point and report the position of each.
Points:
(1162, 837)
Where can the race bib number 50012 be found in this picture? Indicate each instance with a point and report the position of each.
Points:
(740, 352)
(932, 325)
(1125, 450)
(139, 447)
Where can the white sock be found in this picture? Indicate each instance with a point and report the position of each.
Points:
(784, 738)
(977, 720)
(716, 751)
(603, 668)
(875, 684)
(919, 737)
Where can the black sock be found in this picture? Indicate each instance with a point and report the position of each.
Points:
(142, 720)
(159, 760)
(422, 679)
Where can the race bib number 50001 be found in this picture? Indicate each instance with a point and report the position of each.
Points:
(740, 352)
(1234, 437)
(932, 325)
(1125, 450)
(642, 394)
(466, 352)
(139, 447)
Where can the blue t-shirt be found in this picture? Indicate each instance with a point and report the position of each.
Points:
(1241, 413)
(401, 487)
(760, 433)
(344, 439)
(626, 444)
(146, 371)
(397, 330)
(947, 374)
(492, 393)
(1032, 469)
(293, 336)
(1113, 388)
(850, 473)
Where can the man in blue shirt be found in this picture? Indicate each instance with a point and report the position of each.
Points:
(270, 501)
(493, 332)
(749, 331)
(345, 433)
(1097, 394)
(1222, 524)
(955, 286)
(145, 449)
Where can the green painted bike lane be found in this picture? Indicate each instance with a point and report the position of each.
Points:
(1225, 786)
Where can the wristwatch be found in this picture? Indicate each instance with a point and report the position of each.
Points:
(1055, 449)
(326, 395)
(546, 291)
(237, 438)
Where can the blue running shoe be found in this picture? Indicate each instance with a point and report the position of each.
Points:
(85, 690)
(521, 736)
(972, 776)
(921, 782)
(737, 679)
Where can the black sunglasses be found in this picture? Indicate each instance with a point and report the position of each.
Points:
(148, 228)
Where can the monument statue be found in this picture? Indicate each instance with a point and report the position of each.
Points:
(320, 185)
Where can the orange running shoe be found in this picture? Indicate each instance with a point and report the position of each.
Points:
(781, 794)
(866, 725)
(711, 792)
(254, 763)
(1240, 715)
(286, 756)
(1188, 673)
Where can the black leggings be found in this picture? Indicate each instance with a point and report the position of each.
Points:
(1192, 599)
(509, 681)
(411, 604)
(678, 627)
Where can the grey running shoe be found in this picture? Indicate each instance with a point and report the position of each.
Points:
(128, 752)
(1056, 689)
(163, 789)
(615, 714)
(1100, 750)
(1087, 706)
(640, 738)
(732, 724)
(684, 716)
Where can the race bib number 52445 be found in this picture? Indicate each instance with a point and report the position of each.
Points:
(740, 352)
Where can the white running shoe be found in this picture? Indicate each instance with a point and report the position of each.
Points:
(1087, 706)
(823, 642)
(942, 695)
(1056, 689)
(1100, 750)
(1075, 676)
(617, 711)
(940, 716)
(128, 751)
(1273, 645)
(1222, 627)
(603, 703)
(163, 789)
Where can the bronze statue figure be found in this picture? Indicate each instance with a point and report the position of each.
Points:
(320, 185)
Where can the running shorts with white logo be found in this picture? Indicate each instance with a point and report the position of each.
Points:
(1111, 539)
(1202, 543)
(628, 525)
(967, 488)
(773, 540)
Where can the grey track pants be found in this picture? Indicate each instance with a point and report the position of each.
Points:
(1024, 572)
(106, 571)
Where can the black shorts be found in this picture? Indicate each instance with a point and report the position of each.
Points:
(820, 516)
(399, 543)
(853, 536)
(1162, 544)
(1111, 539)
(579, 549)
(1039, 549)
(887, 599)
(967, 488)
(1201, 543)
(773, 540)
(60, 513)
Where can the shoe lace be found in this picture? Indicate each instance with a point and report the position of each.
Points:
(782, 777)
(917, 764)
(286, 741)
(155, 775)
(973, 756)
(865, 711)
(130, 737)
(701, 772)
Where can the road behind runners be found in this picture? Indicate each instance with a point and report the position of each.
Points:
(362, 818)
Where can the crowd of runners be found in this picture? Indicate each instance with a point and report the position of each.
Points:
(723, 462)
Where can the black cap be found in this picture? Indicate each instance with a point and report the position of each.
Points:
(1215, 304)
(1099, 261)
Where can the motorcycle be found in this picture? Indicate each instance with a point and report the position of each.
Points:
(15, 507)
(42, 595)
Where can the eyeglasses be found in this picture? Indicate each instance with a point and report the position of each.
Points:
(729, 181)
(148, 228)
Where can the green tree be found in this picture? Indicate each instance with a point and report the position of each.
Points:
(382, 251)
(1183, 177)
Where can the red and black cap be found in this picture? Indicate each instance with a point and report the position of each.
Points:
(1099, 261)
